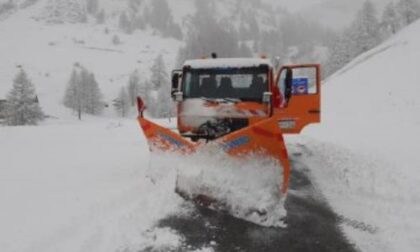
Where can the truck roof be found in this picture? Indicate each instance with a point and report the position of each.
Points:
(226, 63)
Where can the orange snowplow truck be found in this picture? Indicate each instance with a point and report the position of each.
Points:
(240, 104)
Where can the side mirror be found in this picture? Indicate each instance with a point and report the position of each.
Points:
(288, 84)
(178, 96)
(267, 97)
(176, 76)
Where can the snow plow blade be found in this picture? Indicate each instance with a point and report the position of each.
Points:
(163, 139)
(263, 139)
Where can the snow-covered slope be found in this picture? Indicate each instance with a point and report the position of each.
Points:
(47, 37)
(368, 163)
(48, 52)
(335, 13)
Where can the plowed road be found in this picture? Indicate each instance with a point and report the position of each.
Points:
(311, 224)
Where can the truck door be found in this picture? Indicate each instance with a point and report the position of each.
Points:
(303, 106)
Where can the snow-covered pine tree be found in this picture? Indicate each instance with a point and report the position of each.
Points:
(92, 6)
(339, 54)
(124, 23)
(165, 105)
(93, 101)
(408, 10)
(161, 19)
(22, 106)
(362, 35)
(161, 15)
(207, 35)
(134, 88)
(73, 95)
(100, 17)
(116, 40)
(391, 22)
(159, 75)
(83, 94)
(365, 30)
(62, 11)
(159, 95)
(122, 102)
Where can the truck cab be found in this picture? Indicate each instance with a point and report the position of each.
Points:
(218, 96)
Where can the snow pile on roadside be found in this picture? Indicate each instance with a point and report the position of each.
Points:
(368, 166)
(82, 187)
(247, 188)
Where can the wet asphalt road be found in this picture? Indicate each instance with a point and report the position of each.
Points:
(311, 224)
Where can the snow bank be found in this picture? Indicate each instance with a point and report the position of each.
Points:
(82, 187)
(368, 166)
(248, 188)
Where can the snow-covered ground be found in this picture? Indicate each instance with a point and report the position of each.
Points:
(82, 187)
(364, 155)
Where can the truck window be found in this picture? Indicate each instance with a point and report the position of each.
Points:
(246, 84)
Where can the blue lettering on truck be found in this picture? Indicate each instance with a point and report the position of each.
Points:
(171, 139)
(235, 143)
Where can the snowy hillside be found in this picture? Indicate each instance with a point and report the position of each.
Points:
(47, 37)
(335, 13)
(48, 52)
(368, 165)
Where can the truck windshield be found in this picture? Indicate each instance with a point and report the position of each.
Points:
(245, 84)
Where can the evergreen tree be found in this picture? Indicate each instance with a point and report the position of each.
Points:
(134, 5)
(161, 15)
(124, 23)
(159, 94)
(160, 18)
(159, 75)
(365, 29)
(100, 17)
(391, 23)
(164, 104)
(362, 35)
(207, 35)
(73, 95)
(408, 10)
(134, 88)
(93, 96)
(22, 107)
(116, 40)
(122, 102)
(92, 6)
(83, 94)
(339, 54)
